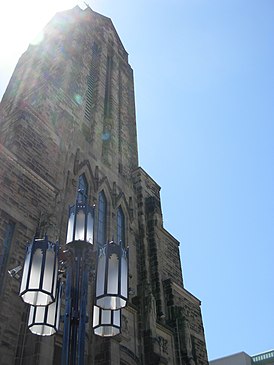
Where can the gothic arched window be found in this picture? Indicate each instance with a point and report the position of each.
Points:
(120, 227)
(102, 219)
(82, 191)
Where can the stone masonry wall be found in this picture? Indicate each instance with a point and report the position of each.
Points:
(69, 110)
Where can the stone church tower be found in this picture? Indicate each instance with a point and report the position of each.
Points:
(68, 118)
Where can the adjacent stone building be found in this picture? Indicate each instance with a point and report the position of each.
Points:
(242, 358)
(68, 118)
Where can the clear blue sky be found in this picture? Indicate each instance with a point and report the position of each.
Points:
(204, 82)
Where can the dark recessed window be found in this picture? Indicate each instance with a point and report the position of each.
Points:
(102, 219)
(82, 194)
(120, 227)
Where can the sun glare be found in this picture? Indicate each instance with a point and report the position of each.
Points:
(21, 23)
(22, 20)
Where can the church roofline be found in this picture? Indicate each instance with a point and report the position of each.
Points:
(167, 233)
(186, 293)
(77, 8)
(140, 169)
(88, 8)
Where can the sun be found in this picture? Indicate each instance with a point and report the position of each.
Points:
(20, 22)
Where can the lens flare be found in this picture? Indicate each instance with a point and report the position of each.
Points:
(78, 98)
(105, 136)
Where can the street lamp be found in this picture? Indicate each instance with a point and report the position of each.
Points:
(41, 288)
(106, 322)
(44, 320)
(39, 280)
(80, 224)
(112, 277)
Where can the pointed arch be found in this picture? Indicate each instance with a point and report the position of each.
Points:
(122, 201)
(105, 185)
(82, 166)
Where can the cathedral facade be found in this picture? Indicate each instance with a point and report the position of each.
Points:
(68, 120)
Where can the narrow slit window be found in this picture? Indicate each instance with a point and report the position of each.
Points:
(82, 191)
(102, 219)
(120, 227)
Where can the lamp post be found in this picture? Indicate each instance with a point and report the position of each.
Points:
(41, 288)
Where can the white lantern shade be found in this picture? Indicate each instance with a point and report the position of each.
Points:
(44, 321)
(39, 279)
(80, 224)
(106, 323)
(112, 277)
